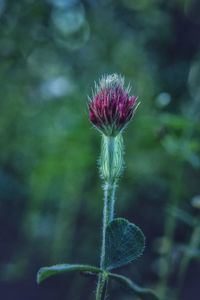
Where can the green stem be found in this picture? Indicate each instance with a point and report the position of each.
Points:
(101, 286)
(111, 165)
(108, 215)
(193, 244)
(169, 230)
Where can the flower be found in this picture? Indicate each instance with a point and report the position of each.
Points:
(111, 107)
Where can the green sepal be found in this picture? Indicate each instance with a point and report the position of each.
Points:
(47, 272)
(124, 243)
(143, 293)
(111, 159)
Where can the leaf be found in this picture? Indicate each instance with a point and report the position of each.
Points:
(182, 215)
(190, 251)
(46, 272)
(144, 293)
(124, 243)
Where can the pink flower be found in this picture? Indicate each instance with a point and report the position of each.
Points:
(111, 107)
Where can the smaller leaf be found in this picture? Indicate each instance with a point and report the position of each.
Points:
(144, 293)
(182, 215)
(47, 272)
(191, 251)
(124, 243)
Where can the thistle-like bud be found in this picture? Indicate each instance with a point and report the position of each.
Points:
(111, 107)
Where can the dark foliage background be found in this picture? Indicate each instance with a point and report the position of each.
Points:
(50, 193)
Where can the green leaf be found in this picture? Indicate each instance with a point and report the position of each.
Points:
(124, 243)
(182, 215)
(144, 293)
(46, 272)
(192, 252)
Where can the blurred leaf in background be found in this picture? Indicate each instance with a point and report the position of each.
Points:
(50, 197)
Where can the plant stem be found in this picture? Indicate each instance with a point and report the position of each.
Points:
(169, 231)
(101, 286)
(108, 214)
(193, 245)
(111, 165)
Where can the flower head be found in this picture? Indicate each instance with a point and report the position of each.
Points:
(111, 107)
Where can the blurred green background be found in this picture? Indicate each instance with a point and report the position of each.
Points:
(51, 52)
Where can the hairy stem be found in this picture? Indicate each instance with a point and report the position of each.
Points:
(101, 286)
(108, 214)
(111, 165)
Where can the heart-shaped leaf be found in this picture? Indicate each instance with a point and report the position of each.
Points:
(124, 243)
(46, 272)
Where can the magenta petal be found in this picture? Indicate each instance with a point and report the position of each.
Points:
(112, 107)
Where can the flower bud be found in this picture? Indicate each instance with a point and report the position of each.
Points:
(111, 107)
